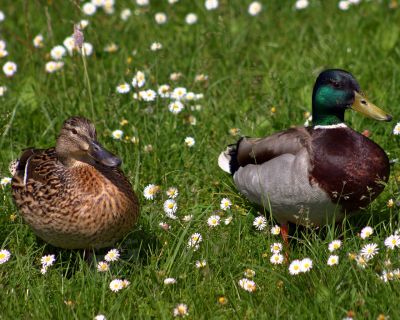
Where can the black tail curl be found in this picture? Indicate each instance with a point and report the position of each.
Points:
(233, 151)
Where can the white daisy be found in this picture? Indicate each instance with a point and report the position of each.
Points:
(123, 88)
(333, 260)
(276, 230)
(58, 52)
(87, 49)
(103, 266)
(125, 14)
(190, 96)
(53, 66)
(334, 245)
(3, 45)
(255, 8)
(117, 134)
(125, 283)
(160, 17)
(172, 192)
(2, 16)
(108, 6)
(295, 267)
(38, 41)
(112, 255)
(366, 232)
(139, 80)
(249, 273)
(111, 47)
(225, 204)
(301, 4)
(89, 9)
(276, 258)
(3, 90)
(48, 260)
(148, 95)
(191, 18)
(393, 241)
(69, 43)
(176, 107)
(98, 3)
(201, 263)
(150, 191)
(248, 285)
(43, 270)
(214, 220)
(306, 265)
(179, 93)
(100, 317)
(308, 121)
(170, 206)
(165, 226)
(116, 285)
(168, 281)
(5, 181)
(163, 91)
(148, 148)
(175, 76)
(3, 53)
(181, 310)
(4, 256)
(155, 46)
(200, 78)
(396, 129)
(344, 5)
(142, 3)
(83, 23)
(228, 220)
(361, 261)
(195, 240)
(369, 250)
(276, 247)
(10, 68)
(187, 218)
(189, 141)
(260, 223)
(211, 4)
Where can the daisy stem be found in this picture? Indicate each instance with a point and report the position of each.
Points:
(89, 87)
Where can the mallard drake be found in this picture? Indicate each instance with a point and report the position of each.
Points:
(75, 196)
(314, 175)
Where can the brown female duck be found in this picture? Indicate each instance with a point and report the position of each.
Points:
(74, 195)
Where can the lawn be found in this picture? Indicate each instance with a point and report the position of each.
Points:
(247, 75)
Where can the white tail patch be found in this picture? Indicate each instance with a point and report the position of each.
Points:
(224, 160)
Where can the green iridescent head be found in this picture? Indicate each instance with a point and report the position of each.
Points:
(334, 92)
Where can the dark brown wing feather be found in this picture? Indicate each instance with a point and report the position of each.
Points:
(34, 163)
(260, 150)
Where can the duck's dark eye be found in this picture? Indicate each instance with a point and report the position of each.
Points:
(334, 83)
(74, 131)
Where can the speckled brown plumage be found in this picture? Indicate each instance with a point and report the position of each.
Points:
(77, 202)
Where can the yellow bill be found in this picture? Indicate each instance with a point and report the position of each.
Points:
(362, 105)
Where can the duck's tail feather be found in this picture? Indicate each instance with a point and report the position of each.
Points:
(227, 159)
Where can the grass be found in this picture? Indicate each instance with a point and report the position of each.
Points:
(253, 64)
